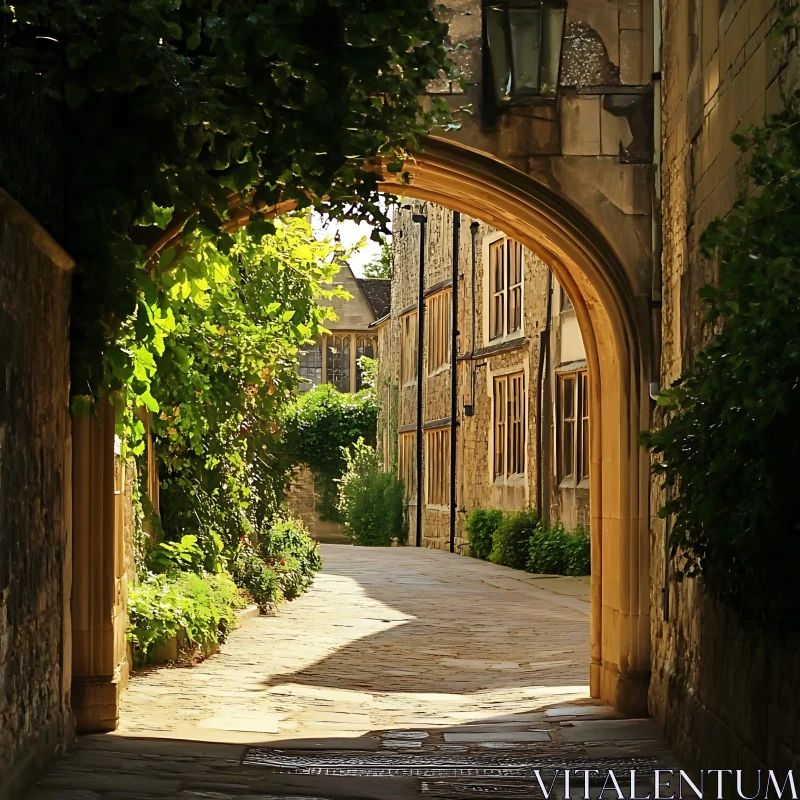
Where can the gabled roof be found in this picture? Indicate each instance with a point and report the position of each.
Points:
(378, 294)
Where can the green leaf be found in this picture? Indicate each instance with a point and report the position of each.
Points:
(149, 402)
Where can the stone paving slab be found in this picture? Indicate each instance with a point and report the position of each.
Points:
(395, 653)
(609, 730)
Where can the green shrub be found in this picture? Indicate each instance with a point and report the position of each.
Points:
(371, 501)
(578, 548)
(259, 580)
(510, 540)
(480, 526)
(556, 551)
(286, 545)
(190, 554)
(199, 606)
(317, 429)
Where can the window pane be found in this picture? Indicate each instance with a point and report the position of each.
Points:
(497, 276)
(514, 263)
(568, 395)
(515, 309)
(407, 467)
(365, 346)
(497, 316)
(438, 467)
(583, 431)
(553, 35)
(501, 66)
(526, 35)
(567, 406)
(500, 410)
(499, 265)
(438, 328)
(584, 449)
(517, 426)
(310, 364)
(585, 394)
(568, 429)
(408, 347)
(338, 362)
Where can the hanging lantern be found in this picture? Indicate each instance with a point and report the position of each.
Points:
(524, 40)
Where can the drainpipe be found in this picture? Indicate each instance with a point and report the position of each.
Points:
(454, 380)
(656, 276)
(473, 228)
(422, 220)
(544, 362)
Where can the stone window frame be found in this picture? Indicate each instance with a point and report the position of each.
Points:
(572, 429)
(438, 319)
(437, 467)
(355, 342)
(408, 348)
(503, 301)
(509, 441)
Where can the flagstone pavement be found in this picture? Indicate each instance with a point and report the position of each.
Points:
(401, 673)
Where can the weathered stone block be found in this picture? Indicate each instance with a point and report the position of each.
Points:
(580, 125)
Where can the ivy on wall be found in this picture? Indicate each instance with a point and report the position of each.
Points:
(731, 445)
(318, 428)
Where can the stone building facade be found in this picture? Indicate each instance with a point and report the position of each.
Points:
(521, 373)
(334, 358)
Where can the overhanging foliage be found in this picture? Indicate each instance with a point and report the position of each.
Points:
(195, 113)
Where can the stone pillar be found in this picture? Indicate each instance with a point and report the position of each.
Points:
(99, 653)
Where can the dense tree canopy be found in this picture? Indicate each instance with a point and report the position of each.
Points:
(198, 113)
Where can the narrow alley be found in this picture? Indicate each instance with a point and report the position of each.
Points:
(402, 673)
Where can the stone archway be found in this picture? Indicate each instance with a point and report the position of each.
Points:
(613, 318)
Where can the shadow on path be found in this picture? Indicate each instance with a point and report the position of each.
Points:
(432, 622)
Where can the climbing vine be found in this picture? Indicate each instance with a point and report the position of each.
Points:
(732, 440)
(190, 117)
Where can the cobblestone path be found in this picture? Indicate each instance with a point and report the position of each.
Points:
(402, 673)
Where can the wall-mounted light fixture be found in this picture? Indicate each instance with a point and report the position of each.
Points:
(523, 40)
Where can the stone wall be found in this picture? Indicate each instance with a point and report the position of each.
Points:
(727, 693)
(301, 497)
(303, 500)
(35, 507)
(594, 145)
